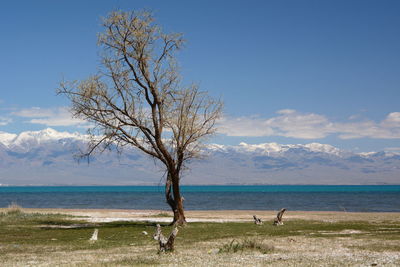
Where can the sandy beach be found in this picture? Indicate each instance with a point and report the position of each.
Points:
(110, 215)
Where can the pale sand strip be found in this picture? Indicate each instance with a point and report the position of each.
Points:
(109, 215)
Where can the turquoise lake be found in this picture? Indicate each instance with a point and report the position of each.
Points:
(378, 198)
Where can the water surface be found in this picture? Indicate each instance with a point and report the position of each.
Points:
(373, 198)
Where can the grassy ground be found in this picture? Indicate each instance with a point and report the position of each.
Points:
(34, 239)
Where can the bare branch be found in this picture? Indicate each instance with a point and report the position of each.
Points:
(137, 98)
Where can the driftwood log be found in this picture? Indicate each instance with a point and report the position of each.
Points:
(165, 244)
(94, 235)
(278, 219)
(257, 220)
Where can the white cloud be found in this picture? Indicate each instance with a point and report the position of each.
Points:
(245, 126)
(286, 111)
(389, 128)
(50, 116)
(35, 112)
(286, 123)
(393, 119)
(297, 125)
(4, 121)
(291, 123)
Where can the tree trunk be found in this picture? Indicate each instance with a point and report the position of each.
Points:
(174, 198)
(166, 245)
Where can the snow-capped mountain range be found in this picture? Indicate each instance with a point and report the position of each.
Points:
(47, 158)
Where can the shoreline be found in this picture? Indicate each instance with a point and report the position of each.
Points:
(110, 215)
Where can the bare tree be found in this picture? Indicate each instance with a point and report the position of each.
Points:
(137, 99)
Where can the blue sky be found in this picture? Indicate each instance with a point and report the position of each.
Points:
(287, 71)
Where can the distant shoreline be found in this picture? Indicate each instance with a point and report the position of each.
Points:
(184, 185)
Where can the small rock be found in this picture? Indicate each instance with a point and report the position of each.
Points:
(213, 251)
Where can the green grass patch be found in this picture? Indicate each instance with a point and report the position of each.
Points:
(134, 261)
(378, 247)
(161, 215)
(246, 244)
(194, 232)
(43, 233)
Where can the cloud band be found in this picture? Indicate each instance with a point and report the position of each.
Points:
(293, 124)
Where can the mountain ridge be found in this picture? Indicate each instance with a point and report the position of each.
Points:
(47, 157)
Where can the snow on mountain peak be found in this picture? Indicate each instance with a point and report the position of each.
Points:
(216, 147)
(280, 148)
(6, 138)
(28, 139)
(264, 147)
(32, 138)
(317, 147)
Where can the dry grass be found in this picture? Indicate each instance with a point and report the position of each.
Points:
(247, 244)
(365, 242)
(14, 208)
